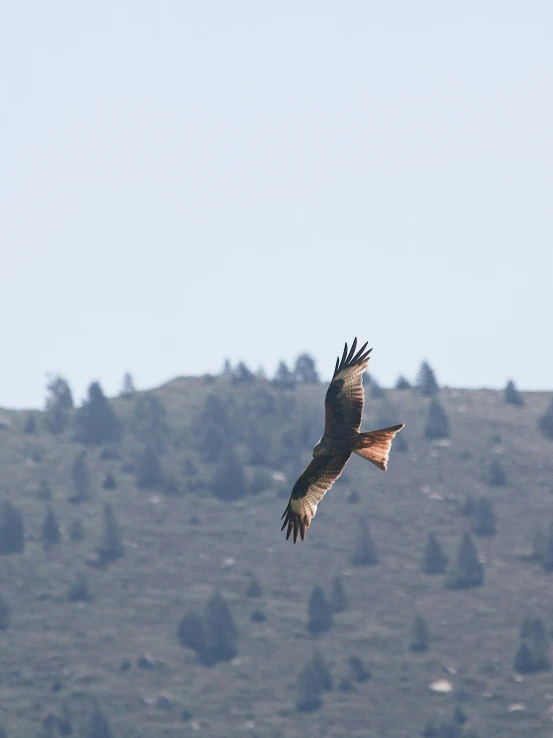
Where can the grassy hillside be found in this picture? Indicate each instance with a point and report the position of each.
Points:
(181, 545)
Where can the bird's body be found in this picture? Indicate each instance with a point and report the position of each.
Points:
(341, 437)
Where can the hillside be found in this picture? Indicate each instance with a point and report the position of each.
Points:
(181, 542)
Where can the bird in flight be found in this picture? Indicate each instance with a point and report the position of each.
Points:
(341, 437)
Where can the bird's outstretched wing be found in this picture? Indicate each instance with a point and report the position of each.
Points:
(345, 396)
(309, 490)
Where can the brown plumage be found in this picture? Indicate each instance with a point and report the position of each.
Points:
(343, 410)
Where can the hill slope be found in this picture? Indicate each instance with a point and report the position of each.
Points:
(181, 545)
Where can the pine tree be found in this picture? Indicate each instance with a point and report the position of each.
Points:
(512, 395)
(5, 613)
(76, 532)
(29, 427)
(112, 547)
(59, 404)
(254, 589)
(284, 378)
(109, 481)
(357, 669)
(220, 630)
(149, 473)
(96, 421)
(434, 559)
(305, 371)
(12, 531)
(545, 422)
(191, 634)
(242, 375)
(535, 637)
(364, 550)
(483, 518)
(79, 590)
(50, 533)
(319, 612)
(468, 571)
(419, 634)
(338, 599)
(496, 477)
(44, 492)
(544, 549)
(322, 671)
(229, 482)
(309, 690)
(426, 381)
(524, 661)
(437, 423)
(402, 383)
(81, 479)
(128, 389)
(149, 423)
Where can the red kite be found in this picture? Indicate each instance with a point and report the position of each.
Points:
(341, 437)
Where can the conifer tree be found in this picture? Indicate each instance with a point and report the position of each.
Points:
(81, 479)
(76, 532)
(434, 559)
(79, 590)
(358, 671)
(309, 690)
(468, 571)
(128, 389)
(221, 632)
(545, 422)
(512, 395)
(191, 634)
(284, 378)
(426, 381)
(112, 547)
(149, 473)
(524, 661)
(535, 637)
(5, 613)
(44, 492)
(305, 371)
(59, 404)
(229, 482)
(338, 599)
(402, 383)
(543, 545)
(149, 422)
(109, 481)
(254, 589)
(29, 427)
(364, 550)
(322, 671)
(96, 421)
(50, 532)
(242, 375)
(483, 518)
(496, 477)
(319, 612)
(419, 634)
(12, 531)
(437, 423)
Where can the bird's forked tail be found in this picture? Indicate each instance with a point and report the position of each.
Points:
(375, 445)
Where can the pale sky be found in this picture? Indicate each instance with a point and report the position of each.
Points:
(182, 182)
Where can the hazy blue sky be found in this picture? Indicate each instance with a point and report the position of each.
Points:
(186, 181)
